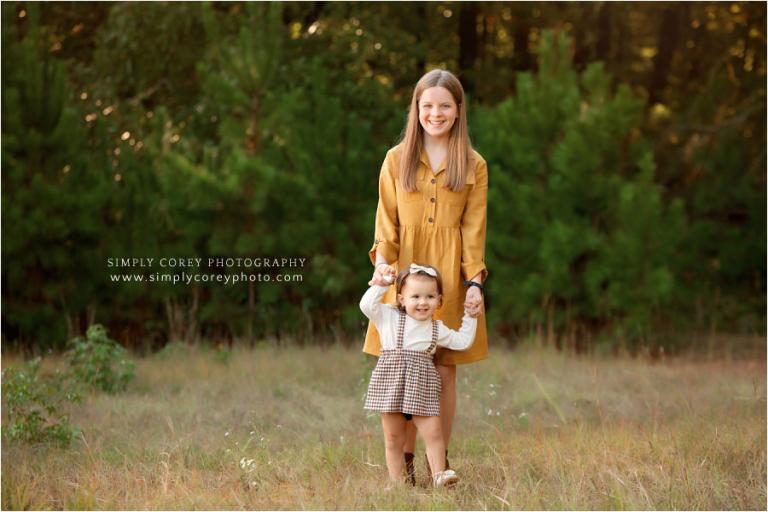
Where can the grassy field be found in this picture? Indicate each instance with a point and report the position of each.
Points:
(285, 429)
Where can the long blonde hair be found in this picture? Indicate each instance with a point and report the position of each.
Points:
(459, 145)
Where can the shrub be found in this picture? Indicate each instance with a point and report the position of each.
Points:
(98, 361)
(33, 405)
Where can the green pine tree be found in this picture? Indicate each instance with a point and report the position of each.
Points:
(580, 238)
(52, 198)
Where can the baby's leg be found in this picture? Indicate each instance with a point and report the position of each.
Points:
(394, 440)
(431, 431)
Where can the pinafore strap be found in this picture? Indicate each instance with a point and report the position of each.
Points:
(433, 347)
(401, 332)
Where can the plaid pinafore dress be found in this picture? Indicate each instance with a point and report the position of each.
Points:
(405, 381)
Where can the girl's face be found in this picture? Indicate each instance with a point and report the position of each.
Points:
(437, 112)
(419, 297)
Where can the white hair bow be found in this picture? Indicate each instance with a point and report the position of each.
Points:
(418, 268)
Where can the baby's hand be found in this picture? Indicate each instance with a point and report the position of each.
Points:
(383, 275)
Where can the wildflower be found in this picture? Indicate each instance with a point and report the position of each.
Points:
(226, 434)
(247, 464)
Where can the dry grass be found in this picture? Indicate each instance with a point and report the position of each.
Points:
(535, 430)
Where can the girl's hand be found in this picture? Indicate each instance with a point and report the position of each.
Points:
(383, 275)
(473, 304)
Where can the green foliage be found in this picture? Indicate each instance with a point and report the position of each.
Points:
(173, 350)
(724, 264)
(577, 222)
(98, 361)
(52, 194)
(34, 405)
(223, 355)
(627, 166)
(128, 31)
(279, 188)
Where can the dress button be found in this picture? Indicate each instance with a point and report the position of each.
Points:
(434, 180)
(430, 219)
(432, 199)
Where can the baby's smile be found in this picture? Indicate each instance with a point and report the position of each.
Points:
(420, 297)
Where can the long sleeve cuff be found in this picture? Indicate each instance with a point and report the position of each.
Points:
(387, 249)
(470, 270)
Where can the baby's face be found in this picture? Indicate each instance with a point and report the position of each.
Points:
(419, 296)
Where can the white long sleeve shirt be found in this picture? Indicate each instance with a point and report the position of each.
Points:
(418, 333)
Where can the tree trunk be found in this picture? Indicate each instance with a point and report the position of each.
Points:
(603, 45)
(522, 60)
(182, 321)
(421, 16)
(669, 34)
(468, 44)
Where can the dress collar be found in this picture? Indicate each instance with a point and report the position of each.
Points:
(425, 161)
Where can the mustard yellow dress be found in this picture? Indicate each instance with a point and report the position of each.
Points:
(439, 227)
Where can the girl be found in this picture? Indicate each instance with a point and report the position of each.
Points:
(405, 385)
(432, 208)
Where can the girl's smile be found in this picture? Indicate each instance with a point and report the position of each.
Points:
(437, 111)
(419, 297)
